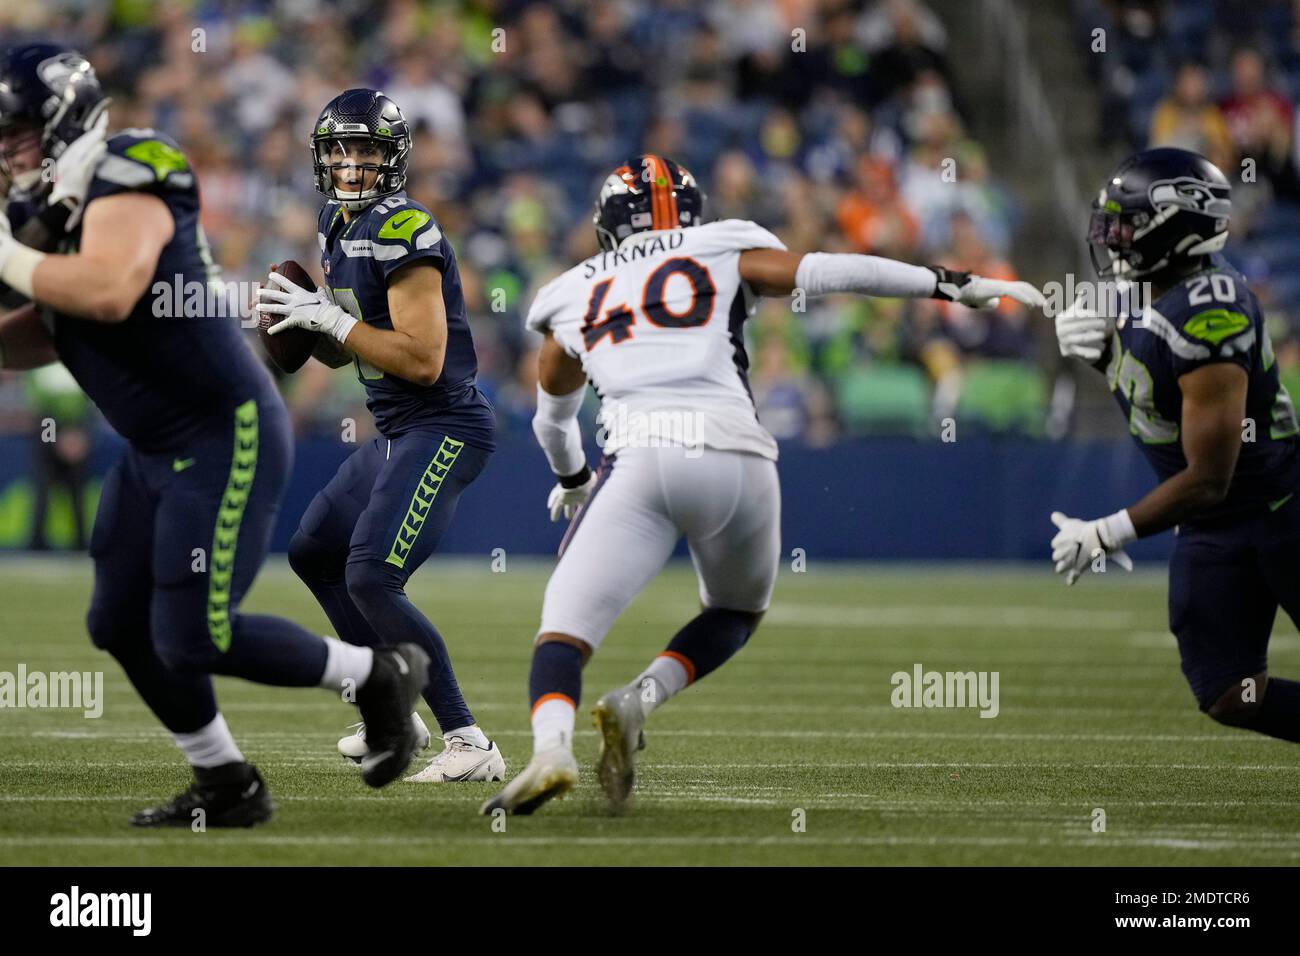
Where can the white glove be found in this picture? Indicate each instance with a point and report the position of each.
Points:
(1083, 333)
(977, 292)
(304, 310)
(75, 168)
(1079, 542)
(567, 501)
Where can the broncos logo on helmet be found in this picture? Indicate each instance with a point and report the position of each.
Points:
(646, 192)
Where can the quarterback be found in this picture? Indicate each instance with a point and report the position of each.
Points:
(654, 323)
(392, 306)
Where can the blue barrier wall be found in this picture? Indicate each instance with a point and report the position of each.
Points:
(877, 499)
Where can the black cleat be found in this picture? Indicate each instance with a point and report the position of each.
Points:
(386, 700)
(232, 795)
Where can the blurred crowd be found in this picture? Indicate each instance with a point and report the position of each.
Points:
(834, 124)
(1222, 78)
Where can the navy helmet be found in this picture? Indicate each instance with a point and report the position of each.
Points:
(1160, 209)
(362, 115)
(52, 90)
(646, 192)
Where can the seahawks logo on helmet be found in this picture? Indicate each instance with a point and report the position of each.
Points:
(1188, 193)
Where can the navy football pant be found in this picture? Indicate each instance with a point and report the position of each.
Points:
(1226, 581)
(362, 537)
(178, 538)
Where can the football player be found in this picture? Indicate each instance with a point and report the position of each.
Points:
(1195, 375)
(186, 513)
(392, 306)
(654, 323)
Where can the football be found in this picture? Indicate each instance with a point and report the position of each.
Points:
(290, 349)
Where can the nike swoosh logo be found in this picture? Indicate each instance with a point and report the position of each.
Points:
(180, 464)
(459, 778)
(401, 665)
(252, 789)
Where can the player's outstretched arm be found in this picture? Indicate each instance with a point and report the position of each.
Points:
(778, 272)
(561, 384)
(121, 240)
(1214, 405)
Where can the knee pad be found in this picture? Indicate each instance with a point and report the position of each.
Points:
(370, 583)
(108, 631)
(1231, 710)
(308, 558)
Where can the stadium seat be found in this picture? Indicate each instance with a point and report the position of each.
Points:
(885, 399)
(1004, 396)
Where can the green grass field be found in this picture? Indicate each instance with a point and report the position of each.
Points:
(1093, 714)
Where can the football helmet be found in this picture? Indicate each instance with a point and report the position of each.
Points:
(361, 115)
(52, 90)
(1159, 208)
(646, 192)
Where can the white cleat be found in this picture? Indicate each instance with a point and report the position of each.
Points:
(463, 762)
(551, 773)
(354, 747)
(618, 718)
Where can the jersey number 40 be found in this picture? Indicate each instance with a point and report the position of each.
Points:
(618, 320)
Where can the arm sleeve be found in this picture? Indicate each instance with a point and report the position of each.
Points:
(820, 273)
(557, 431)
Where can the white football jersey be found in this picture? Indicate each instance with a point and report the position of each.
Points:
(657, 327)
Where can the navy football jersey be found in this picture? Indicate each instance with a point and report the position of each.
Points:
(165, 373)
(357, 259)
(1208, 317)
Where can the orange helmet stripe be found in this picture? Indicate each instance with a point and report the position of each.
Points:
(660, 196)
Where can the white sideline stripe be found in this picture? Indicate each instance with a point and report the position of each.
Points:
(1269, 846)
(903, 615)
(313, 740)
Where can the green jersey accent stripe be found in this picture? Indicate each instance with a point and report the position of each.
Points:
(422, 500)
(221, 563)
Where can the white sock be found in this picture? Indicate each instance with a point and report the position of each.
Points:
(347, 666)
(209, 746)
(666, 676)
(471, 734)
(553, 723)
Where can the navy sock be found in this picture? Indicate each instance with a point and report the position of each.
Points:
(1279, 711)
(557, 669)
(711, 638)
